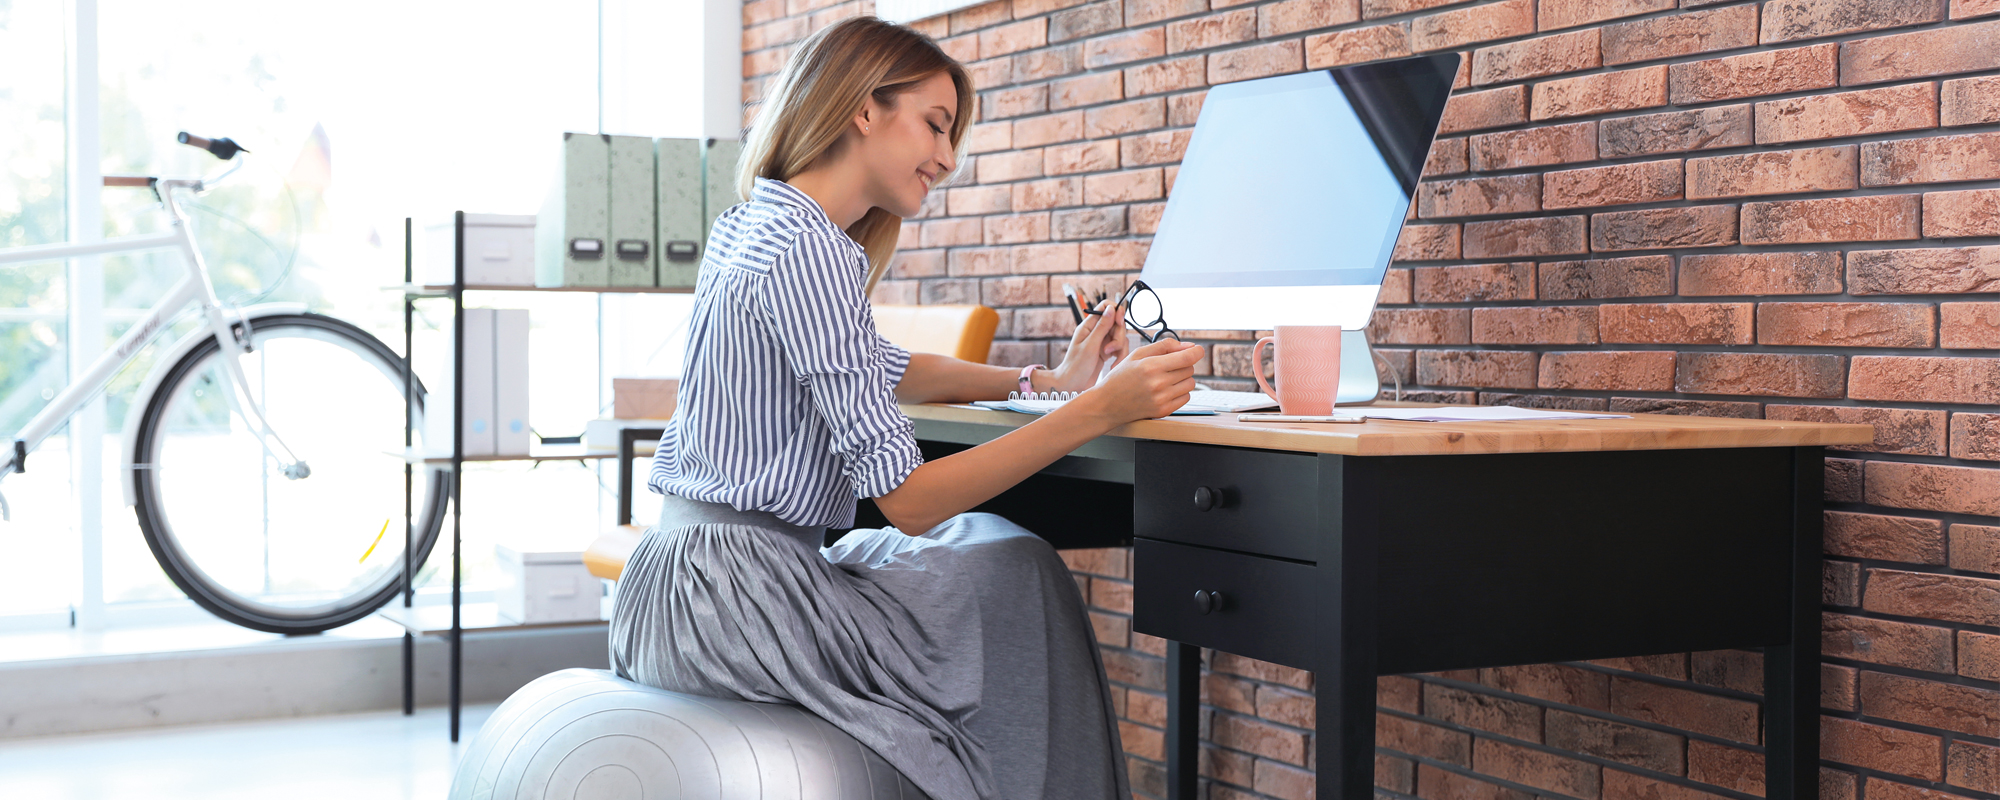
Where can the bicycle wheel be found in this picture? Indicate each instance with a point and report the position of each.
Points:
(248, 544)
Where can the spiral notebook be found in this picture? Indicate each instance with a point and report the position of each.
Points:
(1045, 402)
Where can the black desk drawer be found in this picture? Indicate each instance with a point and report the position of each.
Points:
(1266, 610)
(1252, 501)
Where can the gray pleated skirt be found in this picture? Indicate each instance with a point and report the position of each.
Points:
(963, 656)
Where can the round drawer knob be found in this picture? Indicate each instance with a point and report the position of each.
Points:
(1206, 601)
(1206, 498)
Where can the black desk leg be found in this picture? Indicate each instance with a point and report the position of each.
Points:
(1344, 682)
(409, 674)
(1791, 671)
(1183, 719)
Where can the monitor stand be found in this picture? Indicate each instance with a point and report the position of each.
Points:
(1359, 383)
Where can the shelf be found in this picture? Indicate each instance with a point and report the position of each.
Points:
(444, 290)
(435, 620)
(536, 452)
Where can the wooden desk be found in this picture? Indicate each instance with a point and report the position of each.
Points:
(1393, 547)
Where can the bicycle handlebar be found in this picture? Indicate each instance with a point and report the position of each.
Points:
(224, 148)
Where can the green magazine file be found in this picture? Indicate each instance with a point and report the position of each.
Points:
(572, 232)
(632, 258)
(681, 221)
(721, 181)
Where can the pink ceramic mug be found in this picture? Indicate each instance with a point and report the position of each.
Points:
(1306, 365)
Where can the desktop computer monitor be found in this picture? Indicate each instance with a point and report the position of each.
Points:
(1291, 194)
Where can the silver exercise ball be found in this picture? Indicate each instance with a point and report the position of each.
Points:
(584, 734)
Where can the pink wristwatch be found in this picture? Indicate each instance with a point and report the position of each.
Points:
(1028, 386)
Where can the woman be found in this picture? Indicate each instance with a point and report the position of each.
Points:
(955, 645)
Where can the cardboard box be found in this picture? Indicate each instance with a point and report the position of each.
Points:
(644, 398)
(540, 586)
(499, 250)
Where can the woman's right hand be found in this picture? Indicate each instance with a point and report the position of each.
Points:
(1153, 381)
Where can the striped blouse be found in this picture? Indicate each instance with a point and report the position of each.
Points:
(787, 397)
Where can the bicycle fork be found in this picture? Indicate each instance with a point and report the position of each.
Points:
(242, 401)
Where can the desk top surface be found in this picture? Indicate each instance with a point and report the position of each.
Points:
(1391, 438)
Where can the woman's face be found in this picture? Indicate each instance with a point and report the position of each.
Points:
(906, 144)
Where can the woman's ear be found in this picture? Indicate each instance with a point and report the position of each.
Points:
(863, 119)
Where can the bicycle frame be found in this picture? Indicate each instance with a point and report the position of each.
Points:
(229, 326)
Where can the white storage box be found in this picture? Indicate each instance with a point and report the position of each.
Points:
(499, 250)
(541, 586)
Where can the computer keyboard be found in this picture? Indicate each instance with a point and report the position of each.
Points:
(1230, 401)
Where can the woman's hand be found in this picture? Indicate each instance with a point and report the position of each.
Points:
(1153, 382)
(1099, 338)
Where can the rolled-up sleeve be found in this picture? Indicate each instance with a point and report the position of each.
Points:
(823, 325)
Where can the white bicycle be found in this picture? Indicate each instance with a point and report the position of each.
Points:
(260, 454)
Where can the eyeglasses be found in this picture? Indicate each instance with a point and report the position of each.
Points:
(1143, 312)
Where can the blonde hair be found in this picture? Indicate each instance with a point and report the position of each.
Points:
(825, 83)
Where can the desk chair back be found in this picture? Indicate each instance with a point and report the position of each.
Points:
(959, 331)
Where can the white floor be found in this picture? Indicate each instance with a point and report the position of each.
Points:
(377, 755)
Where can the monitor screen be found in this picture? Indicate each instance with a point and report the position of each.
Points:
(1292, 192)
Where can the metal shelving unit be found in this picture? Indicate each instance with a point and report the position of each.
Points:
(413, 622)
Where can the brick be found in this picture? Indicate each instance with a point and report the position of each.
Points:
(1123, 255)
(893, 292)
(1571, 13)
(1478, 197)
(1038, 131)
(1974, 212)
(1535, 325)
(1140, 12)
(1925, 379)
(1621, 370)
(1259, 61)
(1847, 324)
(1026, 290)
(1395, 287)
(1415, 738)
(1934, 487)
(1396, 774)
(1166, 76)
(1975, 437)
(1879, 789)
(1726, 28)
(1617, 184)
(1969, 101)
(1293, 16)
(1867, 112)
(1740, 670)
(1885, 538)
(1534, 147)
(1124, 118)
(1013, 38)
(1371, 9)
(1039, 258)
(1123, 187)
(1053, 62)
(1658, 228)
(1799, 69)
(1511, 718)
(756, 12)
(1552, 682)
(1975, 548)
(1484, 23)
(1153, 148)
(1127, 46)
(1675, 132)
(1979, 655)
(1428, 243)
(1964, 709)
(989, 137)
(1938, 159)
(1421, 326)
(1871, 218)
(1088, 223)
(1182, 109)
(1024, 9)
(1076, 23)
(1969, 325)
(1262, 738)
(1475, 283)
(1791, 20)
(1535, 768)
(1968, 9)
(976, 200)
(1477, 368)
(1844, 480)
(1603, 278)
(979, 16)
(1492, 108)
(1728, 767)
(1816, 169)
(1924, 271)
(1675, 707)
(1035, 195)
(1688, 408)
(917, 264)
(1214, 30)
(1447, 157)
(1764, 374)
(1145, 217)
(1018, 102)
(1065, 159)
(1086, 90)
(1621, 785)
(1672, 666)
(1286, 706)
(1939, 51)
(1760, 274)
(1541, 236)
(947, 232)
(1016, 228)
(1558, 402)
(1356, 45)
(1974, 766)
(1897, 430)
(1536, 58)
(1437, 784)
(1836, 689)
(1676, 323)
(1878, 641)
(1604, 92)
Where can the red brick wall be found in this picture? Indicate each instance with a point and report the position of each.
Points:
(1787, 209)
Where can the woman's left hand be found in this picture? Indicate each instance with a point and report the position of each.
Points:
(1099, 339)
